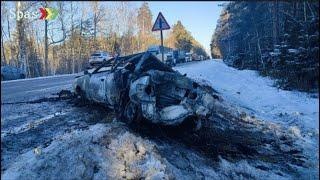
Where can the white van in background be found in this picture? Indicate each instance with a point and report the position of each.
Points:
(98, 57)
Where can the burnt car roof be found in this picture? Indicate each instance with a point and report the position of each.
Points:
(140, 61)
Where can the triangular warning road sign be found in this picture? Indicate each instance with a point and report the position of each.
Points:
(160, 23)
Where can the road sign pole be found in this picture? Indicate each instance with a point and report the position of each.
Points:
(159, 25)
(162, 45)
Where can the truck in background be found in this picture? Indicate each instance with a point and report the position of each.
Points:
(172, 57)
(179, 56)
(167, 54)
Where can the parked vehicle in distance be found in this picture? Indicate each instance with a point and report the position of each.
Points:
(98, 57)
(170, 60)
(167, 53)
(180, 56)
(188, 57)
(196, 57)
(11, 73)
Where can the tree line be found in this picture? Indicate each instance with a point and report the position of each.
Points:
(279, 39)
(63, 45)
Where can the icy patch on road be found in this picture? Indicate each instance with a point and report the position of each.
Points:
(15, 116)
(56, 88)
(29, 125)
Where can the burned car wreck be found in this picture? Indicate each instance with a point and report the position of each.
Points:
(140, 86)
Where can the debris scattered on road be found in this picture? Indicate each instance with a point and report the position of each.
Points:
(37, 151)
(65, 94)
(62, 95)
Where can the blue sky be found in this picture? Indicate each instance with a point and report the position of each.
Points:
(200, 18)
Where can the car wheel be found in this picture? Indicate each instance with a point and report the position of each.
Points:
(130, 112)
(81, 96)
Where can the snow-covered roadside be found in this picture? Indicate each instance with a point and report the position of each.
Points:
(255, 93)
(297, 112)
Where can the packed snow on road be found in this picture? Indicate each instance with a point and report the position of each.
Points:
(275, 137)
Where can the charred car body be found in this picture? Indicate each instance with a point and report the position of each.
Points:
(140, 86)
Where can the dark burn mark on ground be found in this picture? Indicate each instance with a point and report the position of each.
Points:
(62, 95)
(80, 117)
(212, 141)
(46, 99)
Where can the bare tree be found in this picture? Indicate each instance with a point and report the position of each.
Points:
(20, 6)
(3, 10)
(46, 41)
(144, 22)
(97, 17)
(3, 58)
(72, 35)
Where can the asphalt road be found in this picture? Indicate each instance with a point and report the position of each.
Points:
(35, 88)
(28, 89)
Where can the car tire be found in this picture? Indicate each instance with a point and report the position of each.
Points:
(81, 96)
(130, 113)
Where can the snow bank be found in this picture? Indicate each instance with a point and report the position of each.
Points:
(135, 158)
(297, 112)
(73, 155)
(98, 152)
(257, 94)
